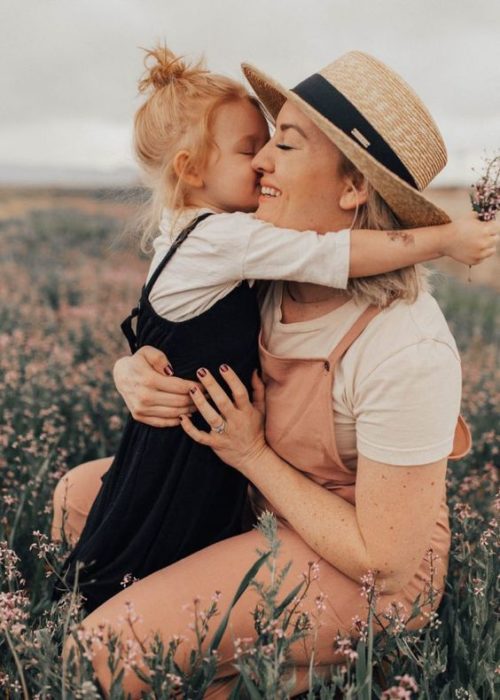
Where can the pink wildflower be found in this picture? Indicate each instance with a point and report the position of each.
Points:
(343, 645)
(14, 610)
(485, 195)
(128, 580)
(407, 686)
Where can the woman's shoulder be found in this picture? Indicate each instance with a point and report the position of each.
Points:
(421, 320)
(417, 330)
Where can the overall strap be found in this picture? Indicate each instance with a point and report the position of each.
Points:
(172, 250)
(352, 334)
(126, 325)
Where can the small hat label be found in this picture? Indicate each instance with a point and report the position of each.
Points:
(359, 136)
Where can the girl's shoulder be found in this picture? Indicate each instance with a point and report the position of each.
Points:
(219, 226)
(229, 222)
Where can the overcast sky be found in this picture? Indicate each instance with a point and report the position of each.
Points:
(69, 68)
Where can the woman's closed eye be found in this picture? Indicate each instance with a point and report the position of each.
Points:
(284, 147)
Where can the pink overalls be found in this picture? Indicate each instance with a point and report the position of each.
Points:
(300, 428)
(300, 424)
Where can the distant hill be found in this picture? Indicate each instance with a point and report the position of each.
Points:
(64, 177)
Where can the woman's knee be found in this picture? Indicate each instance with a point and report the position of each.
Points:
(163, 603)
(60, 509)
(73, 497)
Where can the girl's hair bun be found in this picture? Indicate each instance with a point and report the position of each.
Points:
(163, 68)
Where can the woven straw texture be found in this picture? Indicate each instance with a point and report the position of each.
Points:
(396, 113)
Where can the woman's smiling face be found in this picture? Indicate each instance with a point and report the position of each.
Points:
(300, 184)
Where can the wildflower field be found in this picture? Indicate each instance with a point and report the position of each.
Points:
(68, 276)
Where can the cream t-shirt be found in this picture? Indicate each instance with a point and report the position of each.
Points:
(225, 249)
(397, 390)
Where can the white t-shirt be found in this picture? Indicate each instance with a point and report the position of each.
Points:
(396, 394)
(225, 249)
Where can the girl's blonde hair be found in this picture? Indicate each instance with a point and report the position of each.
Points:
(178, 114)
(381, 290)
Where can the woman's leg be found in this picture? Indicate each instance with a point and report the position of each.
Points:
(163, 601)
(73, 498)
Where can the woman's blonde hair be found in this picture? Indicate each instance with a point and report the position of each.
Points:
(178, 114)
(381, 290)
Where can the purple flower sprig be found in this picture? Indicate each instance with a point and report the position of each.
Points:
(485, 194)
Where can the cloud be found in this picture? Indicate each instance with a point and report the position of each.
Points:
(72, 67)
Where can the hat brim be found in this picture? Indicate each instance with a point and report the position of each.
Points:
(410, 206)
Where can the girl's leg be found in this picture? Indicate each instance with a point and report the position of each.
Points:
(163, 603)
(73, 498)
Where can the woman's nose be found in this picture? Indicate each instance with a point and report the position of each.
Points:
(262, 161)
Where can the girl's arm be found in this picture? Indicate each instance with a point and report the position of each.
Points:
(272, 253)
(396, 507)
(466, 240)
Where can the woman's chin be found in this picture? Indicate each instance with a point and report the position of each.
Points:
(266, 212)
(263, 215)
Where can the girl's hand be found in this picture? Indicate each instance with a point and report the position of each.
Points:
(153, 396)
(237, 434)
(468, 240)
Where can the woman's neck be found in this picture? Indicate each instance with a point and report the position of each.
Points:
(303, 301)
(308, 293)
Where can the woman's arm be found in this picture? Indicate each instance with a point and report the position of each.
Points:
(387, 531)
(396, 506)
(152, 395)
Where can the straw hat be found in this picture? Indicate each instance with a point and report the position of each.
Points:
(378, 122)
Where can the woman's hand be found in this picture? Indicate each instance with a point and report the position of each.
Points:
(468, 240)
(153, 396)
(237, 434)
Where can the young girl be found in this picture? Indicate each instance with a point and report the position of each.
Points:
(165, 496)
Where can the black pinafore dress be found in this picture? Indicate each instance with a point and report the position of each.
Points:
(164, 496)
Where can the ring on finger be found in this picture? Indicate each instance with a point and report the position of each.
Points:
(221, 428)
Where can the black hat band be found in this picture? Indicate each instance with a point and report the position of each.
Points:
(332, 104)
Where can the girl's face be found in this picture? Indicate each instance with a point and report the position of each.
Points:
(300, 184)
(229, 181)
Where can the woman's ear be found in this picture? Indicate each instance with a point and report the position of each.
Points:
(354, 194)
(186, 171)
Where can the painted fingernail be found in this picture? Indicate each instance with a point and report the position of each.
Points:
(169, 370)
(201, 372)
(193, 390)
(224, 368)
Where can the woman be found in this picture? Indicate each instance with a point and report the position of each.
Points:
(367, 489)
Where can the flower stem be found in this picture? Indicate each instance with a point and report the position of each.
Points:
(19, 666)
(65, 635)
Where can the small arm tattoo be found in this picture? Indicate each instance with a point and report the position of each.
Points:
(405, 237)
